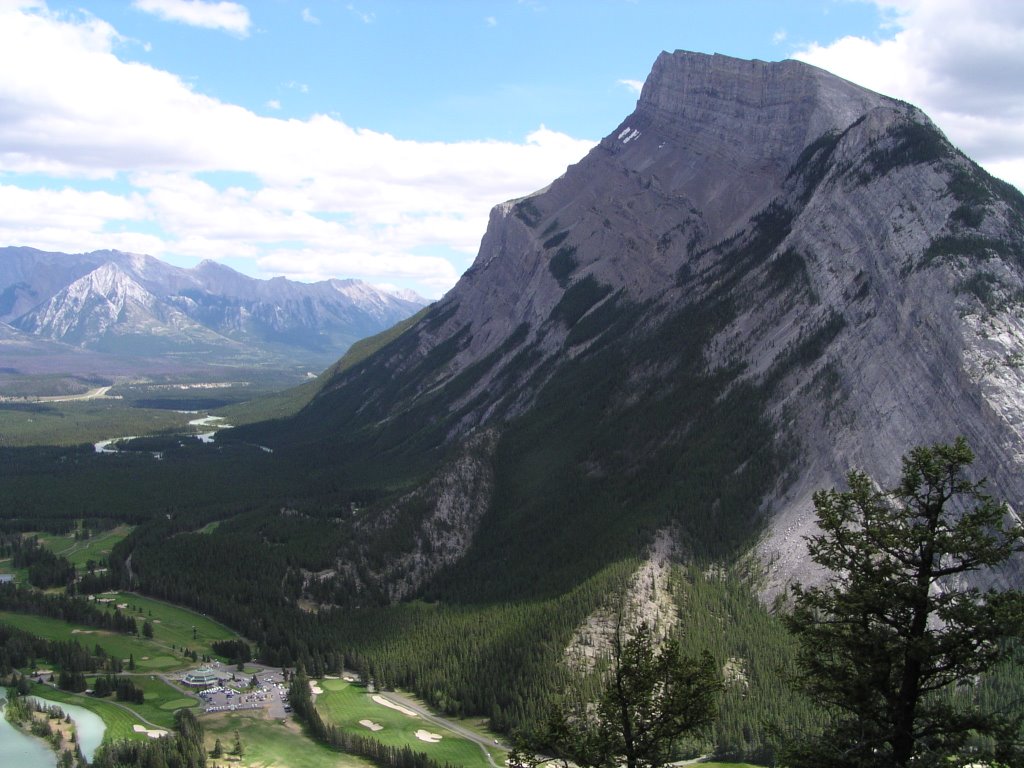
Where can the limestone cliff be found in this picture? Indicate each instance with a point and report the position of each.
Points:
(764, 276)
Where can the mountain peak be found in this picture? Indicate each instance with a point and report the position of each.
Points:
(802, 98)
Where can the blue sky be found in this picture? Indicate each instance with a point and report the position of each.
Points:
(369, 139)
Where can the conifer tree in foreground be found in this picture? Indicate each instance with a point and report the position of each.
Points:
(897, 625)
(651, 698)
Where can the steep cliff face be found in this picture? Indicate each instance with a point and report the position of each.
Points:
(763, 277)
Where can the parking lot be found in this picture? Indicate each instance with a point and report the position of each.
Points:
(235, 691)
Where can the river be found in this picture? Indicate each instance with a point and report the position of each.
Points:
(104, 446)
(20, 749)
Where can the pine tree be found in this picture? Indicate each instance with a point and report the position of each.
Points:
(898, 623)
(651, 698)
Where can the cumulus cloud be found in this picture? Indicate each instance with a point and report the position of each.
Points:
(231, 17)
(320, 198)
(959, 60)
(634, 85)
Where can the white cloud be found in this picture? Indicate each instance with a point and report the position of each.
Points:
(323, 198)
(779, 36)
(308, 17)
(959, 60)
(363, 16)
(273, 104)
(634, 85)
(491, 21)
(231, 17)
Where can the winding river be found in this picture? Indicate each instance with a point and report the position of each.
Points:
(20, 749)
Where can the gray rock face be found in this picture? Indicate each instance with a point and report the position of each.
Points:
(842, 258)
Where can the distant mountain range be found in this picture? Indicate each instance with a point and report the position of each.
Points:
(76, 313)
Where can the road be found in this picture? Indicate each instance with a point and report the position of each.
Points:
(485, 744)
(92, 394)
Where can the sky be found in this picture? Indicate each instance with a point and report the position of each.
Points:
(370, 138)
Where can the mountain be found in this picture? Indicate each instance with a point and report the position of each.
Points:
(135, 307)
(763, 277)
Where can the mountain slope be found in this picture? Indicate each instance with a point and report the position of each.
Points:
(137, 306)
(764, 276)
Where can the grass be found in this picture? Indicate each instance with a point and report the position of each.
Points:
(80, 552)
(272, 743)
(147, 656)
(172, 632)
(120, 722)
(173, 625)
(344, 705)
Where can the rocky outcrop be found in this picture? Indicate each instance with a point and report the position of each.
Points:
(436, 522)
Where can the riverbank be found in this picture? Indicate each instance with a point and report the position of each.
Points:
(63, 728)
(49, 725)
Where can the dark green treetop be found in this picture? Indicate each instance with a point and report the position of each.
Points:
(899, 622)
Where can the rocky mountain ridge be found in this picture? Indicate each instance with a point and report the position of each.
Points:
(135, 306)
(763, 277)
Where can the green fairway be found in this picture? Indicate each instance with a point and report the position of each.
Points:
(172, 633)
(272, 743)
(148, 657)
(161, 700)
(345, 705)
(119, 721)
(174, 627)
(95, 548)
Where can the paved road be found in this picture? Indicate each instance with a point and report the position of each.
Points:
(485, 744)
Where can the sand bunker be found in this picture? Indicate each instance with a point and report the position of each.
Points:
(153, 733)
(427, 736)
(399, 707)
(315, 689)
(371, 725)
(82, 631)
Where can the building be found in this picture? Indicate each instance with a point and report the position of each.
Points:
(204, 677)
